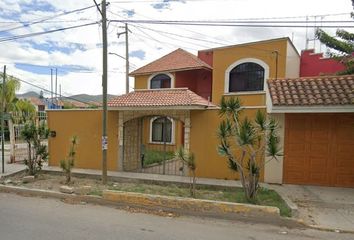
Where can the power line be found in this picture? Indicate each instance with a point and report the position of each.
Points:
(235, 23)
(181, 36)
(11, 38)
(47, 18)
(180, 27)
(48, 91)
(162, 33)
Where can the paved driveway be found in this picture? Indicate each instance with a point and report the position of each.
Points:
(326, 207)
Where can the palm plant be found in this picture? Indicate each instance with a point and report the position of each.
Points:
(8, 101)
(26, 110)
(245, 143)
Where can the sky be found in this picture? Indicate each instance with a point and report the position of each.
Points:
(77, 53)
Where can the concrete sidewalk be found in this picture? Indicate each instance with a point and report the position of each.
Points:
(11, 168)
(152, 177)
(322, 207)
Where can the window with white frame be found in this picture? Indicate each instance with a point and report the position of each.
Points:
(245, 77)
(161, 130)
(160, 81)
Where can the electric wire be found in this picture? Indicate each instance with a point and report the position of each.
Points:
(41, 20)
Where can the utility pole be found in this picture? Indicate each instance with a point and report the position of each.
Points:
(56, 87)
(126, 56)
(3, 120)
(60, 97)
(51, 88)
(104, 90)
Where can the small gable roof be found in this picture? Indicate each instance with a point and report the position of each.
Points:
(177, 60)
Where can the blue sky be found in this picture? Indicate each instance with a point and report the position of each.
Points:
(77, 53)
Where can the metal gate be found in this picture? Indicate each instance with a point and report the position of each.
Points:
(150, 143)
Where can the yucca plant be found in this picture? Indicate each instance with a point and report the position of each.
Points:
(188, 158)
(245, 142)
(68, 163)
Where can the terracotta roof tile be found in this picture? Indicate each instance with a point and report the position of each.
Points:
(181, 97)
(36, 101)
(175, 61)
(312, 91)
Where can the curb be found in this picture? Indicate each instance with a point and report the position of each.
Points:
(183, 206)
(12, 173)
(322, 228)
(188, 205)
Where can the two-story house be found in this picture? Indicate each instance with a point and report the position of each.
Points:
(175, 103)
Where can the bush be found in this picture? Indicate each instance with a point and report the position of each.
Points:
(34, 135)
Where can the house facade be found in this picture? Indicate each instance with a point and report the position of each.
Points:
(175, 103)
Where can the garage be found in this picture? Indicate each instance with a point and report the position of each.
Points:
(319, 149)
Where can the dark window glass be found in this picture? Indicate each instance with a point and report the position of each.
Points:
(162, 127)
(160, 81)
(246, 77)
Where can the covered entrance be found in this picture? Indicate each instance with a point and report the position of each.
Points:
(151, 138)
(152, 125)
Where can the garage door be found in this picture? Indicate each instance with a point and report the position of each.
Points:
(319, 149)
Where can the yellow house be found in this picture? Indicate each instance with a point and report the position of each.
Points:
(175, 103)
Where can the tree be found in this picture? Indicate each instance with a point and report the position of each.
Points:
(69, 162)
(12, 85)
(188, 158)
(26, 110)
(245, 143)
(340, 47)
(34, 135)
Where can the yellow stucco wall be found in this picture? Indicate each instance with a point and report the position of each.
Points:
(223, 58)
(87, 125)
(204, 142)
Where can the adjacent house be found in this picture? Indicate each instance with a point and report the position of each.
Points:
(175, 103)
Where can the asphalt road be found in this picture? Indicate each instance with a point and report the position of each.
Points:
(37, 218)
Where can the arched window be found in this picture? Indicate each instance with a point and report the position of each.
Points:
(161, 130)
(247, 76)
(160, 81)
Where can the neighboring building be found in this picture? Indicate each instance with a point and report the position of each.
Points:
(175, 103)
(314, 64)
(38, 103)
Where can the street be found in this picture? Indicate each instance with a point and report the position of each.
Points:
(37, 218)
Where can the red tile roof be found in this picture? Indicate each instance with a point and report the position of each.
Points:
(36, 101)
(172, 97)
(312, 91)
(177, 60)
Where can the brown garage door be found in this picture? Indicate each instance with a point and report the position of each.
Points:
(319, 149)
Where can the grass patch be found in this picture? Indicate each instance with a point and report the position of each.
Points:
(266, 197)
(96, 192)
(154, 156)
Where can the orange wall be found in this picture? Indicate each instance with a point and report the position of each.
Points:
(87, 125)
(204, 144)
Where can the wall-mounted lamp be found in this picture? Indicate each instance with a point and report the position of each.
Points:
(53, 133)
